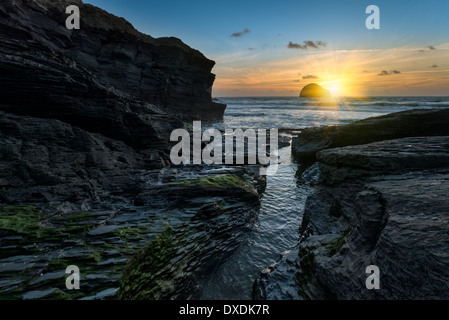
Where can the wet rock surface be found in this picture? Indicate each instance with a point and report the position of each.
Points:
(85, 176)
(410, 123)
(188, 221)
(381, 204)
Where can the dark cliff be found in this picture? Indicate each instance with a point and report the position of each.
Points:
(83, 110)
(164, 72)
(85, 123)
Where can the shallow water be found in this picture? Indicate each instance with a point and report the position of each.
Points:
(275, 231)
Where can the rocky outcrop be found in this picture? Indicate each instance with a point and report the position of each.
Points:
(75, 106)
(163, 72)
(410, 123)
(382, 204)
(313, 90)
(175, 265)
(185, 221)
(85, 123)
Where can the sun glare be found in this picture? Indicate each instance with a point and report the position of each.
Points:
(334, 90)
(334, 87)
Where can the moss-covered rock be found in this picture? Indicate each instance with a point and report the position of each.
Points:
(221, 181)
(149, 274)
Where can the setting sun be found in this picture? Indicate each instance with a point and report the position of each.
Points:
(334, 90)
(334, 87)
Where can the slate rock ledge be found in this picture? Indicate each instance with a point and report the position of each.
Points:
(383, 203)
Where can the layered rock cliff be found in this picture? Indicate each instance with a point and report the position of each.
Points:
(164, 72)
(80, 108)
(85, 176)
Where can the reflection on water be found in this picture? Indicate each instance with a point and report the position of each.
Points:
(275, 231)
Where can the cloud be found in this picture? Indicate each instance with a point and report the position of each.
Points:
(306, 44)
(310, 76)
(428, 47)
(251, 49)
(386, 73)
(241, 33)
(434, 66)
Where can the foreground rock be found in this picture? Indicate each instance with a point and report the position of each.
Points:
(411, 123)
(184, 221)
(85, 177)
(383, 204)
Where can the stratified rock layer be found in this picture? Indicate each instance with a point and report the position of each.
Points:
(75, 108)
(382, 204)
(164, 72)
(85, 179)
(410, 123)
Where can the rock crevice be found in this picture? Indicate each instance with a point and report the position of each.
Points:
(382, 203)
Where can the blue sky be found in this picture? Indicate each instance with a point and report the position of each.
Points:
(208, 25)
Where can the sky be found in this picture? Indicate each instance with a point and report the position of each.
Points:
(274, 48)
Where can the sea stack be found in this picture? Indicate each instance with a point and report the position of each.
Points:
(313, 90)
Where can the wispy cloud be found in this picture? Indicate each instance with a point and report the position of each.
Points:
(387, 73)
(306, 45)
(241, 33)
(310, 76)
(429, 48)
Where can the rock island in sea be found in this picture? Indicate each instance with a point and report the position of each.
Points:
(314, 90)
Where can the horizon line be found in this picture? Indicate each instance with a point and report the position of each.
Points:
(356, 97)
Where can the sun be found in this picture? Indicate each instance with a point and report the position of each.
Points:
(334, 90)
(334, 87)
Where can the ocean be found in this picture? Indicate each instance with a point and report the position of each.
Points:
(295, 112)
(282, 204)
